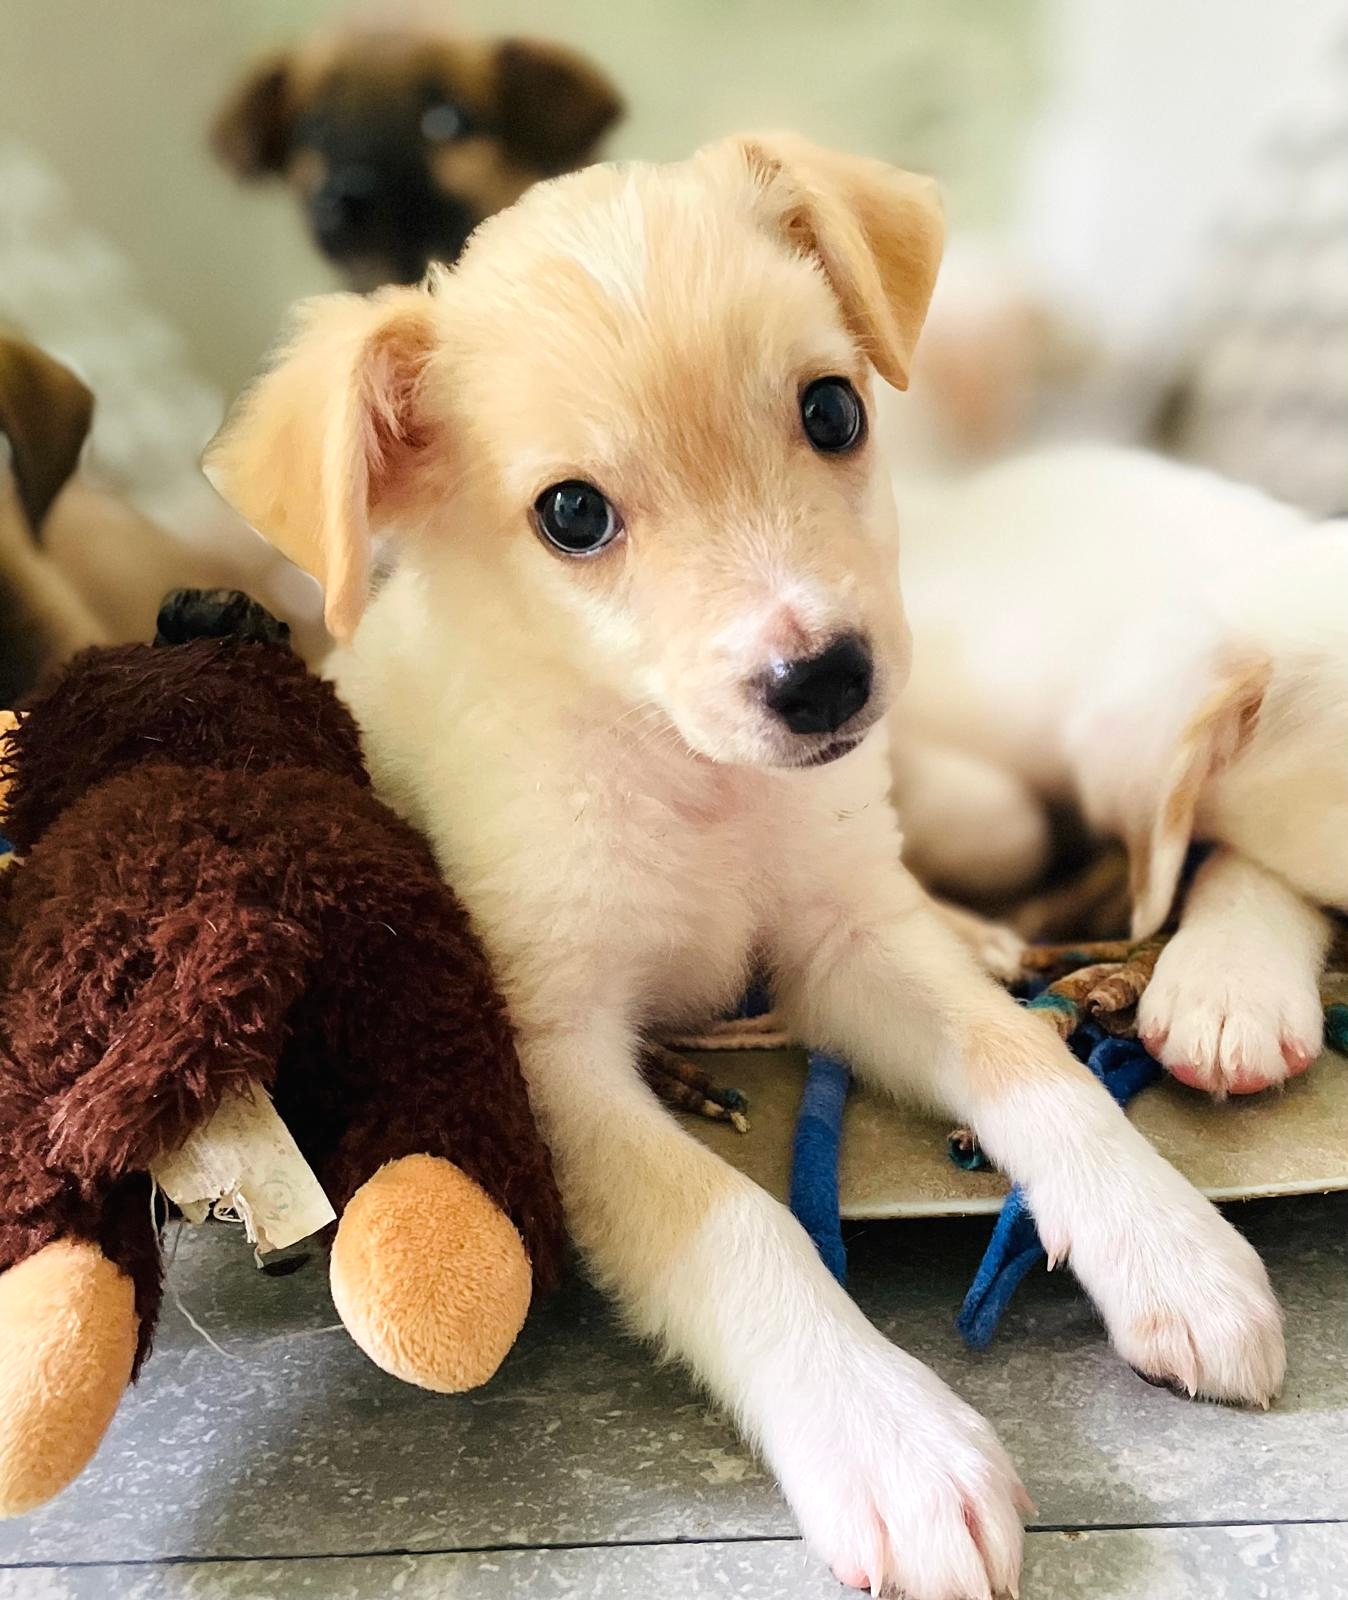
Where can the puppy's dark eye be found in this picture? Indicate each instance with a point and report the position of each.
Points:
(442, 122)
(832, 415)
(575, 518)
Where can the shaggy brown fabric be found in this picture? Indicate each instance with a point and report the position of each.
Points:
(211, 892)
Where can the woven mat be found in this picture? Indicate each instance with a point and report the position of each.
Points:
(894, 1160)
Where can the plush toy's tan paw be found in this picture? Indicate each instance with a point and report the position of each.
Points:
(429, 1275)
(67, 1343)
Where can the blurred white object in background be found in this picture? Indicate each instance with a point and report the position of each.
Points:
(1264, 389)
(67, 289)
(1158, 111)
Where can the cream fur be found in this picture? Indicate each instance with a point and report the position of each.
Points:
(582, 742)
(1167, 649)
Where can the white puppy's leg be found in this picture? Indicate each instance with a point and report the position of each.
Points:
(970, 828)
(891, 1475)
(868, 970)
(1234, 1003)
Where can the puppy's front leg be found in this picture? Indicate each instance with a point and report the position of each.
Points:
(868, 969)
(1234, 1004)
(895, 1480)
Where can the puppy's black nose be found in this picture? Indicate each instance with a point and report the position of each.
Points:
(818, 694)
(342, 207)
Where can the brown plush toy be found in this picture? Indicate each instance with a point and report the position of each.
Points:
(209, 897)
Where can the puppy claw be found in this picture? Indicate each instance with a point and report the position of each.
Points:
(1171, 1384)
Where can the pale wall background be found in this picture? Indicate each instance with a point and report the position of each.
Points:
(116, 94)
(1102, 135)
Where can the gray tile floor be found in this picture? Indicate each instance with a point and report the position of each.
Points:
(290, 1466)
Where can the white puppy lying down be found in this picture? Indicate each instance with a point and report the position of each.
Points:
(1170, 650)
(630, 676)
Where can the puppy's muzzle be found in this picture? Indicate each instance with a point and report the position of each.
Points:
(385, 206)
(819, 694)
(342, 209)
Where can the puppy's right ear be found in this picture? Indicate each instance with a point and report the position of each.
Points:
(251, 132)
(337, 437)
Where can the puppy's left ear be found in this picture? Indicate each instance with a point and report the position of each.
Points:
(44, 413)
(552, 105)
(336, 439)
(876, 230)
(1158, 822)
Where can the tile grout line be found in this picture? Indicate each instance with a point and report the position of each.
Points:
(397, 1552)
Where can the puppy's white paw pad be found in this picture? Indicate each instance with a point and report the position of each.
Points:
(1229, 1026)
(1189, 1307)
(1241, 1363)
(908, 1491)
(1001, 950)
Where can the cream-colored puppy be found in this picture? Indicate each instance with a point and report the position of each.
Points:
(630, 675)
(1169, 650)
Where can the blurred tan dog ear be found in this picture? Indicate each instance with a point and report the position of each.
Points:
(44, 413)
(876, 230)
(552, 105)
(1160, 826)
(328, 443)
(251, 131)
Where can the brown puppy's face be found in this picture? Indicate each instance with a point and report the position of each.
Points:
(641, 400)
(398, 144)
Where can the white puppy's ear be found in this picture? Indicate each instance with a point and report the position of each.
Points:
(876, 230)
(335, 438)
(1159, 811)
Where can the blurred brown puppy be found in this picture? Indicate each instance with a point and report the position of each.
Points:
(44, 418)
(81, 566)
(398, 141)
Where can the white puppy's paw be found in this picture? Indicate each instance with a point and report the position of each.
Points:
(899, 1485)
(1186, 1298)
(999, 949)
(1222, 1016)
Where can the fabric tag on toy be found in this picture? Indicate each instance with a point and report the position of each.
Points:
(244, 1166)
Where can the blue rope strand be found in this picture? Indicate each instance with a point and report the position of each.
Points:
(1125, 1068)
(815, 1151)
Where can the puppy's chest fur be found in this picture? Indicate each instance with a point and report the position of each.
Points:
(601, 868)
(693, 859)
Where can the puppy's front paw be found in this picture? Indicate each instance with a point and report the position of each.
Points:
(1228, 1019)
(899, 1485)
(1185, 1297)
(999, 949)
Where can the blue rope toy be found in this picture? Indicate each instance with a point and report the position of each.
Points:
(1125, 1069)
(1122, 1065)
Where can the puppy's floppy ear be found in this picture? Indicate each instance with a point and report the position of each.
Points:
(552, 105)
(251, 131)
(336, 438)
(1159, 817)
(876, 230)
(44, 413)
